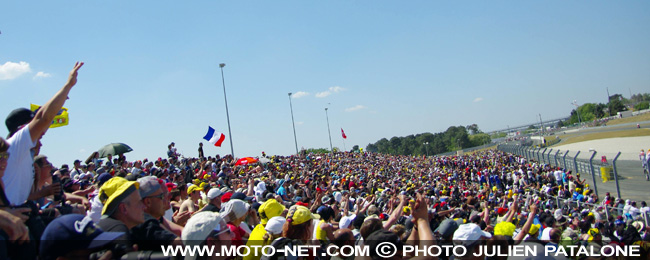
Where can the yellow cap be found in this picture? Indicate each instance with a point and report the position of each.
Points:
(110, 187)
(193, 188)
(534, 228)
(270, 208)
(300, 214)
(120, 191)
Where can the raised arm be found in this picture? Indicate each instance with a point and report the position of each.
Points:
(46, 114)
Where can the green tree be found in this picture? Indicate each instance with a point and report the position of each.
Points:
(642, 105)
(473, 129)
(479, 139)
(615, 106)
(372, 148)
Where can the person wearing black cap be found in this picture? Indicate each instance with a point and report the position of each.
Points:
(25, 131)
(77, 169)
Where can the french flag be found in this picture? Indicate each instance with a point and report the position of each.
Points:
(214, 137)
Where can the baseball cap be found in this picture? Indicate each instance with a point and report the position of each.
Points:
(199, 226)
(73, 232)
(300, 214)
(103, 178)
(194, 188)
(346, 221)
(269, 209)
(148, 185)
(240, 196)
(18, 117)
(234, 209)
(468, 233)
(213, 193)
(275, 224)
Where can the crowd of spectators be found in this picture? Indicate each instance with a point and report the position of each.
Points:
(111, 207)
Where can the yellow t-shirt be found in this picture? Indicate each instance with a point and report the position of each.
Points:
(256, 239)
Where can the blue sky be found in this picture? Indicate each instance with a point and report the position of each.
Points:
(386, 68)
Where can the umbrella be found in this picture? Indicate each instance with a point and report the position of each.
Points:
(114, 149)
(246, 160)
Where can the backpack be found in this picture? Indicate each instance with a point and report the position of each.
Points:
(279, 244)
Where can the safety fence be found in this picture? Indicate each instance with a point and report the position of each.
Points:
(596, 168)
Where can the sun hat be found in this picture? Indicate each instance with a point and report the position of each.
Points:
(117, 191)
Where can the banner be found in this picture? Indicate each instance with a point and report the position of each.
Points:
(61, 118)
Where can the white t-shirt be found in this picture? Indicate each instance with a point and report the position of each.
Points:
(19, 174)
(95, 212)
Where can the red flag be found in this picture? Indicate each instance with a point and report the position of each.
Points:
(343, 134)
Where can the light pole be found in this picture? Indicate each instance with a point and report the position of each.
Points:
(223, 81)
(575, 103)
(294, 124)
(541, 124)
(328, 130)
(426, 148)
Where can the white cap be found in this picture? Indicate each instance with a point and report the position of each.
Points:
(199, 226)
(213, 193)
(470, 233)
(274, 226)
(346, 221)
(338, 196)
(234, 209)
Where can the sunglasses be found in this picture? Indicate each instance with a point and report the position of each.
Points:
(4, 155)
(221, 229)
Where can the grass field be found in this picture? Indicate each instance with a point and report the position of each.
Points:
(569, 139)
(639, 118)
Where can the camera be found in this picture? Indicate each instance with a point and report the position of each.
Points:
(56, 179)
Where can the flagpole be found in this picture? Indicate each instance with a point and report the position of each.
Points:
(223, 81)
(328, 130)
(294, 124)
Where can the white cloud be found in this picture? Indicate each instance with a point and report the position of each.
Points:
(11, 70)
(323, 94)
(354, 108)
(335, 89)
(300, 123)
(82, 150)
(41, 74)
(478, 99)
(300, 94)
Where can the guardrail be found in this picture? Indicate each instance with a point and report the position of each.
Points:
(558, 158)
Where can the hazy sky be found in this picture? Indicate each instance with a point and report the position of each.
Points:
(386, 68)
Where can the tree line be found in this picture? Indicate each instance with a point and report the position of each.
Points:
(617, 103)
(453, 139)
